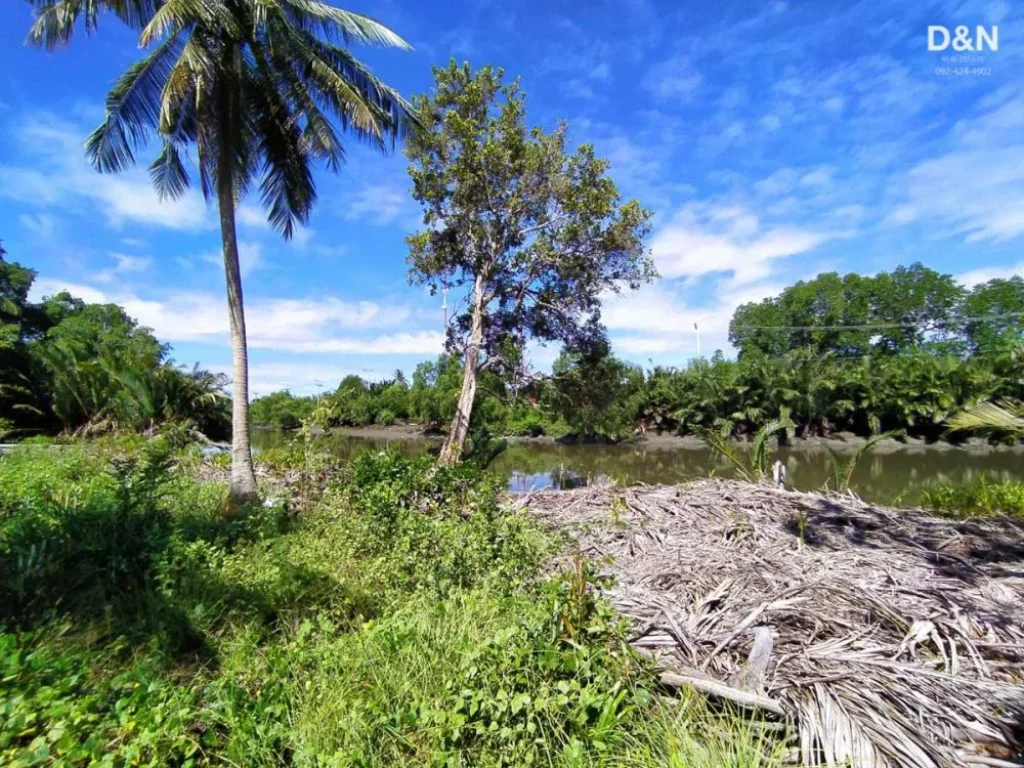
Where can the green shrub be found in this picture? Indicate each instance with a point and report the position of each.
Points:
(428, 527)
(58, 707)
(404, 619)
(281, 409)
(978, 499)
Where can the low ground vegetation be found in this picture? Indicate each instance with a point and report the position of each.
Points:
(981, 498)
(404, 618)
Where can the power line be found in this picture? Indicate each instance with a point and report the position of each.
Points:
(874, 326)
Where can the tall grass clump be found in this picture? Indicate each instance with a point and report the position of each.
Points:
(978, 499)
(404, 617)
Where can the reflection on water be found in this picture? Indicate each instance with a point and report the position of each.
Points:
(882, 478)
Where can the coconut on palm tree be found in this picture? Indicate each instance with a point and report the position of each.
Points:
(260, 88)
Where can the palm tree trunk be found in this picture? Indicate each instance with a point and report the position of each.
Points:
(455, 443)
(243, 479)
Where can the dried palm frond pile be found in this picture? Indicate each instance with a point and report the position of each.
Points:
(886, 637)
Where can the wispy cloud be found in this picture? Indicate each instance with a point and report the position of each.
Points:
(308, 325)
(675, 79)
(382, 205)
(702, 239)
(977, 276)
(976, 188)
(250, 257)
(55, 175)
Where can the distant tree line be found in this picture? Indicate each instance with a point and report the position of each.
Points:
(67, 365)
(591, 397)
(934, 348)
(910, 308)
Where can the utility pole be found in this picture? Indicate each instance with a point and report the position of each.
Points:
(444, 308)
(697, 331)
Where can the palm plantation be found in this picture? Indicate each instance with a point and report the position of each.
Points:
(260, 88)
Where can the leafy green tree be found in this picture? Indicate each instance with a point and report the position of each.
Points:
(853, 315)
(256, 87)
(282, 409)
(812, 315)
(15, 282)
(759, 328)
(95, 369)
(596, 394)
(923, 301)
(537, 234)
(993, 315)
(435, 390)
(19, 374)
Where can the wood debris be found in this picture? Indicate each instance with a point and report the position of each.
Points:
(888, 638)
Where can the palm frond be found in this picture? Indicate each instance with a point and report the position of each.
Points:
(1001, 417)
(759, 453)
(287, 190)
(175, 16)
(358, 114)
(319, 137)
(844, 467)
(332, 22)
(168, 172)
(133, 110)
(402, 116)
(720, 446)
(56, 19)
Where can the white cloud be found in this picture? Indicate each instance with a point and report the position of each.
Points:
(423, 343)
(701, 239)
(250, 257)
(658, 319)
(978, 193)
(43, 287)
(819, 177)
(298, 377)
(780, 182)
(124, 264)
(127, 263)
(984, 274)
(976, 188)
(675, 79)
(380, 204)
(40, 224)
(57, 174)
(322, 325)
(250, 216)
(330, 251)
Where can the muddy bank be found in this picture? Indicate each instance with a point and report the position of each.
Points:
(843, 442)
(391, 432)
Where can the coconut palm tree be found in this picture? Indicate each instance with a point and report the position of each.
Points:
(260, 88)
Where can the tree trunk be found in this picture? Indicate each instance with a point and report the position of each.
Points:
(243, 479)
(455, 443)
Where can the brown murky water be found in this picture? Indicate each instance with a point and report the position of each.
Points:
(882, 478)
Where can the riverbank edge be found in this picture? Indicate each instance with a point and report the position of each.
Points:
(841, 442)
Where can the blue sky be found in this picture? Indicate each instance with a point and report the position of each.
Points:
(773, 140)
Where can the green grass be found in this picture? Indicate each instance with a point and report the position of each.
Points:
(403, 619)
(978, 499)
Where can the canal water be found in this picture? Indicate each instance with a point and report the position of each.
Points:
(881, 477)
